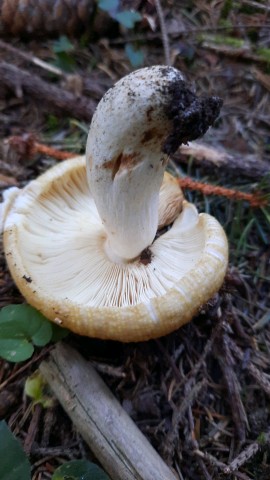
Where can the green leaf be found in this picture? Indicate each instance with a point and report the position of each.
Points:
(79, 470)
(35, 388)
(58, 333)
(128, 18)
(20, 327)
(62, 45)
(14, 464)
(108, 5)
(65, 62)
(136, 57)
(15, 350)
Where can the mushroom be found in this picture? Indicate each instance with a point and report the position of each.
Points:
(117, 253)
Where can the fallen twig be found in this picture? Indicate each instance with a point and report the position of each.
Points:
(235, 52)
(260, 377)
(121, 448)
(203, 155)
(31, 58)
(83, 83)
(52, 97)
(226, 362)
(164, 34)
(33, 428)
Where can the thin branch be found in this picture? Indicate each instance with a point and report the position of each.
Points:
(47, 94)
(164, 34)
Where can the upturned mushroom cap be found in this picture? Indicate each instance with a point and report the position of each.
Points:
(91, 255)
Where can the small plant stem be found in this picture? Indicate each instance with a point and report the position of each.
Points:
(165, 38)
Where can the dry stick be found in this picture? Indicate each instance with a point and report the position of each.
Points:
(241, 52)
(210, 459)
(247, 454)
(93, 86)
(121, 448)
(260, 377)
(226, 363)
(33, 428)
(207, 349)
(164, 34)
(31, 58)
(54, 98)
(203, 155)
(195, 444)
(192, 393)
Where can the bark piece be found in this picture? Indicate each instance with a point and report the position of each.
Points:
(53, 97)
(248, 166)
(121, 448)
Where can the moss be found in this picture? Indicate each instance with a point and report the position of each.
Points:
(226, 9)
(264, 53)
(224, 40)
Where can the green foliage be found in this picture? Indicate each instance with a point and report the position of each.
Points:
(136, 57)
(128, 18)
(52, 122)
(35, 388)
(262, 438)
(226, 8)
(14, 464)
(63, 49)
(79, 470)
(223, 40)
(108, 5)
(62, 45)
(21, 328)
(264, 53)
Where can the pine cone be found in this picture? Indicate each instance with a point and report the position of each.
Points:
(45, 16)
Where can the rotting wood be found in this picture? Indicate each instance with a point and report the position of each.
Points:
(54, 98)
(118, 444)
(248, 166)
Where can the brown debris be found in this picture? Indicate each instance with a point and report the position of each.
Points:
(66, 16)
(227, 365)
(9, 398)
(47, 95)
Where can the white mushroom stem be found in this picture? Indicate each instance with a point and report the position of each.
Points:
(131, 133)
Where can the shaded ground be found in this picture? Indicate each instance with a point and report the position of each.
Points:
(201, 395)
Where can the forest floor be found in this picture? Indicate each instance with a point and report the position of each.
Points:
(201, 394)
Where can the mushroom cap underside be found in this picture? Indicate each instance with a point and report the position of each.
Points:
(54, 245)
